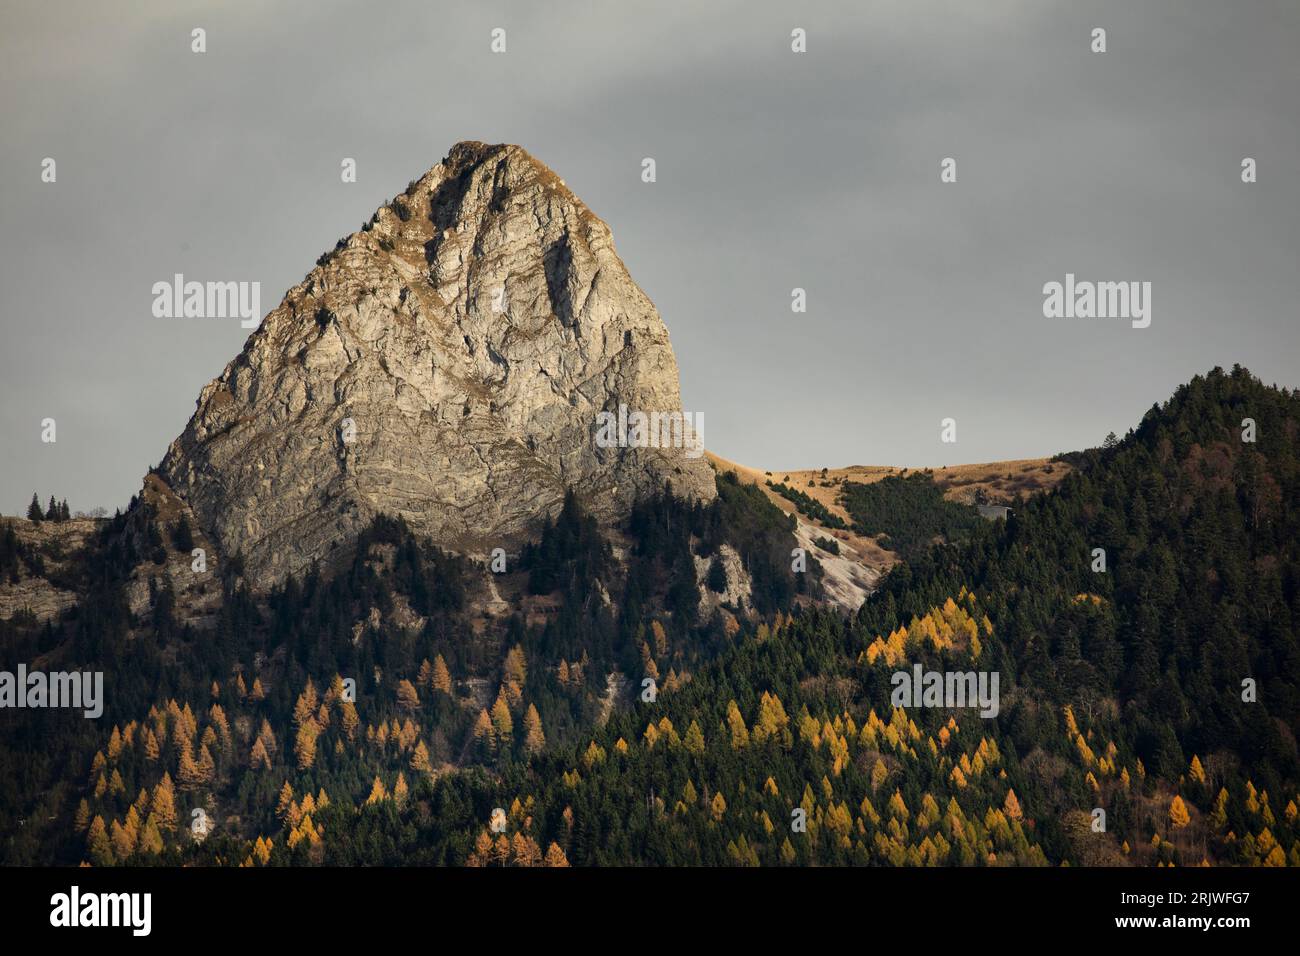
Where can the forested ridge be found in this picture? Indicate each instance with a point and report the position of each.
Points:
(217, 718)
(909, 511)
(1161, 690)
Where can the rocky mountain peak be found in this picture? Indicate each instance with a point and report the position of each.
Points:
(448, 363)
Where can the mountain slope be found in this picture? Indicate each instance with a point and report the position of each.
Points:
(852, 546)
(1121, 691)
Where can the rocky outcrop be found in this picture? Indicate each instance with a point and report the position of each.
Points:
(739, 587)
(447, 364)
(50, 547)
(194, 578)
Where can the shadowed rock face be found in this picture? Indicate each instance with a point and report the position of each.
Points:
(465, 344)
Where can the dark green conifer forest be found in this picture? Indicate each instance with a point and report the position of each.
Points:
(1141, 617)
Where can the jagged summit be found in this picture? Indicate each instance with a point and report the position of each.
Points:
(446, 363)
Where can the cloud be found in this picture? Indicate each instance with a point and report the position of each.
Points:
(776, 170)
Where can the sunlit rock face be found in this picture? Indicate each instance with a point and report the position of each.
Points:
(448, 364)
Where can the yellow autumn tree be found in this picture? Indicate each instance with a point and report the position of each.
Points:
(151, 747)
(407, 697)
(736, 724)
(350, 719)
(660, 638)
(484, 735)
(162, 806)
(267, 736)
(787, 853)
(420, 759)
(594, 754)
(879, 773)
(151, 840)
(98, 845)
(284, 802)
(259, 758)
(304, 709)
(187, 771)
(262, 850)
(534, 739)
(718, 806)
(515, 669)
(122, 840)
(482, 851)
(304, 746)
(218, 715)
(772, 719)
(501, 719)
(694, 739)
(1011, 806)
(524, 851)
(897, 808)
(555, 856)
(441, 676)
(1178, 815)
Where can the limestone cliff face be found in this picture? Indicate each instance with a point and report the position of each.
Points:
(446, 364)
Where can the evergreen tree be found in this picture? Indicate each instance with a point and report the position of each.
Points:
(182, 535)
(717, 576)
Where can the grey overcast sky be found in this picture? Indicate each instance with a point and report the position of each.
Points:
(775, 170)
